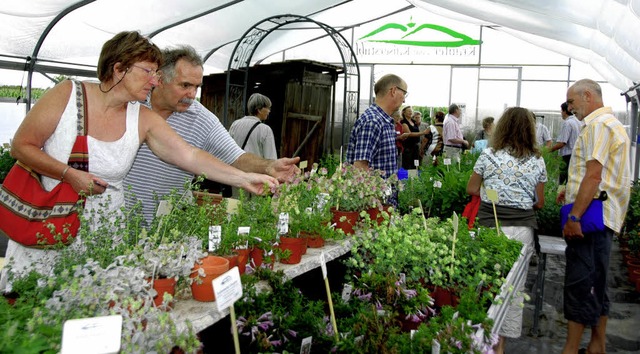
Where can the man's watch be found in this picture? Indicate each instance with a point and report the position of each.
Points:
(574, 218)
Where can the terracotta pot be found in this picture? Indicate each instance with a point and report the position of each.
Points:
(444, 297)
(257, 258)
(201, 196)
(634, 276)
(630, 257)
(633, 265)
(162, 286)
(243, 259)
(295, 245)
(213, 267)
(346, 225)
(232, 258)
(313, 240)
(376, 214)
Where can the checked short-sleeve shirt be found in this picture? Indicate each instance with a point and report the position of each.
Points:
(373, 139)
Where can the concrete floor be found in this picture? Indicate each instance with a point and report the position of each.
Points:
(623, 330)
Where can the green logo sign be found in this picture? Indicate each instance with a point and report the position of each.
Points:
(410, 30)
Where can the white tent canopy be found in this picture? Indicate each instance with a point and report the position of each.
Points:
(53, 36)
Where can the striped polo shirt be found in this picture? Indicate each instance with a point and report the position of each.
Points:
(604, 139)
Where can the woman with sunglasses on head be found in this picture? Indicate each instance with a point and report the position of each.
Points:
(117, 124)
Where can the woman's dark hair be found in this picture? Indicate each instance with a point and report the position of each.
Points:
(516, 132)
(439, 117)
(126, 48)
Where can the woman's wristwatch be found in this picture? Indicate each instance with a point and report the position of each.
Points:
(574, 218)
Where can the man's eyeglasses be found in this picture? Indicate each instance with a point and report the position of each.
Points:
(150, 73)
(406, 94)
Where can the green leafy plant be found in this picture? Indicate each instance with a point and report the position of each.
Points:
(6, 162)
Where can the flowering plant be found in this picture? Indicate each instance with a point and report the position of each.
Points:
(355, 189)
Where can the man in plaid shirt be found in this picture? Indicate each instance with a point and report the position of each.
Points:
(372, 143)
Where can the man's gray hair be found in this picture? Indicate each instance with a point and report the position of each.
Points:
(171, 57)
(583, 85)
(257, 102)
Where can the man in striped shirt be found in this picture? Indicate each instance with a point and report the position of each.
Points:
(174, 100)
(600, 162)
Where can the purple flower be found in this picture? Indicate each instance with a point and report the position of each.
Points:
(293, 333)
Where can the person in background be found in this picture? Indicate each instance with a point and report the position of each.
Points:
(372, 139)
(600, 162)
(117, 125)
(454, 142)
(435, 147)
(543, 138)
(400, 135)
(250, 133)
(173, 99)
(513, 167)
(411, 144)
(569, 132)
(482, 137)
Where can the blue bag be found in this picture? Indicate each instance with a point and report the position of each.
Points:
(591, 221)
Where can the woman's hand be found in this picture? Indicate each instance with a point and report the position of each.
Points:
(258, 183)
(85, 183)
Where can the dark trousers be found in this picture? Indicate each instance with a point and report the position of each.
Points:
(564, 170)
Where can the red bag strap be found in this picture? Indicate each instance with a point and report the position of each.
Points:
(79, 158)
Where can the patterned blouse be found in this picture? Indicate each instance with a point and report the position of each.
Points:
(514, 179)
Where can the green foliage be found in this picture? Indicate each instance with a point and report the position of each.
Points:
(442, 189)
(549, 216)
(330, 162)
(14, 91)
(6, 162)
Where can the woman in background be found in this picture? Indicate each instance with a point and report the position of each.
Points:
(250, 134)
(513, 167)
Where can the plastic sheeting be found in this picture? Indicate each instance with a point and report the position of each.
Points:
(70, 33)
(598, 32)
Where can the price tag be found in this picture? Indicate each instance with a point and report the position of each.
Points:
(215, 236)
(323, 265)
(227, 288)
(92, 335)
(283, 223)
(492, 194)
(446, 161)
(303, 164)
(164, 208)
(305, 347)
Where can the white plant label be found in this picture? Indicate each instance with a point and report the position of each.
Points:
(305, 347)
(96, 335)
(323, 266)
(303, 164)
(283, 223)
(321, 200)
(456, 222)
(492, 194)
(435, 347)
(215, 236)
(227, 288)
(164, 208)
(447, 161)
(244, 231)
(416, 163)
(346, 292)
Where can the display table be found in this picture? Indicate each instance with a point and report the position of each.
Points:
(548, 245)
(204, 314)
(516, 277)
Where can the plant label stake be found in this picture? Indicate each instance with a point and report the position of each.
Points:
(302, 166)
(305, 346)
(283, 224)
(447, 162)
(456, 222)
(424, 219)
(215, 236)
(244, 231)
(492, 194)
(92, 335)
(416, 163)
(228, 289)
(323, 266)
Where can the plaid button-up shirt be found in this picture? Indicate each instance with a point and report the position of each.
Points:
(373, 139)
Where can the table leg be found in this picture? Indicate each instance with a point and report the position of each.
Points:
(542, 266)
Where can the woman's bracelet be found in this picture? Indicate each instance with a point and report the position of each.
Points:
(63, 173)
